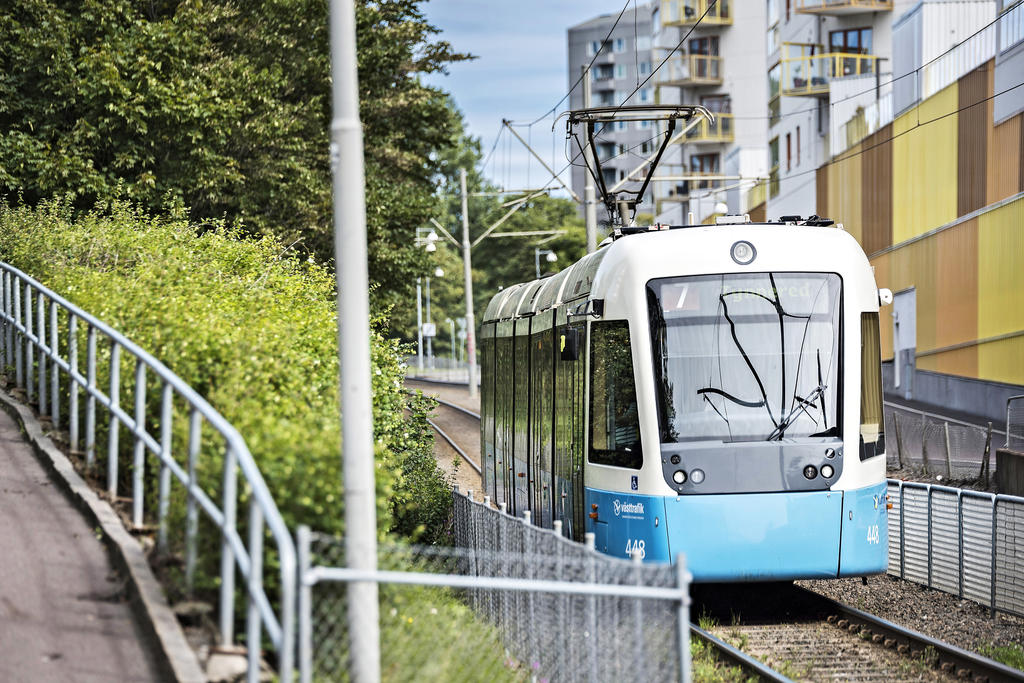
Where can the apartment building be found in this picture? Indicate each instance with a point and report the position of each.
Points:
(929, 176)
(716, 55)
(623, 61)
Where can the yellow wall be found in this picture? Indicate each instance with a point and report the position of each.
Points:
(924, 166)
(1001, 292)
(844, 191)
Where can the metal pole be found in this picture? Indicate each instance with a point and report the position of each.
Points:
(536, 261)
(354, 343)
(589, 197)
(468, 275)
(419, 326)
(430, 338)
(451, 337)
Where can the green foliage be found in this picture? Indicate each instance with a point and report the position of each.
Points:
(1010, 655)
(253, 331)
(224, 107)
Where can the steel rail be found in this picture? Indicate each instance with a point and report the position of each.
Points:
(451, 442)
(749, 664)
(961, 659)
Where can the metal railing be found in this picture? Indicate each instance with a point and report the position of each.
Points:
(842, 7)
(41, 337)
(539, 606)
(813, 74)
(959, 541)
(719, 130)
(689, 12)
(1015, 424)
(691, 69)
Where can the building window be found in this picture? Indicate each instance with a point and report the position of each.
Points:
(645, 124)
(614, 421)
(704, 164)
(646, 147)
(645, 95)
(620, 71)
(789, 152)
(773, 159)
(645, 68)
(704, 46)
(717, 104)
(1011, 28)
(620, 45)
(622, 125)
(798, 145)
(774, 103)
(643, 43)
(853, 41)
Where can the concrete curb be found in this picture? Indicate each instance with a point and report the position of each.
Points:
(172, 651)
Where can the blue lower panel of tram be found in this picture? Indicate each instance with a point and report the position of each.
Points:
(748, 537)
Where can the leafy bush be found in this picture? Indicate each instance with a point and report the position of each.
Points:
(253, 330)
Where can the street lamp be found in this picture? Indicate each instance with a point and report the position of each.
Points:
(426, 238)
(549, 256)
(429, 331)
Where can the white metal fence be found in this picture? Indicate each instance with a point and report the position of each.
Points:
(968, 543)
(41, 340)
(535, 606)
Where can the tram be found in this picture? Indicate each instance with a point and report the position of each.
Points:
(707, 390)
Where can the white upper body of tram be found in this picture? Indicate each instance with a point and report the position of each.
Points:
(731, 403)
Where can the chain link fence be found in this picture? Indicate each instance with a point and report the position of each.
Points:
(924, 443)
(511, 602)
(1015, 424)
(968, 543)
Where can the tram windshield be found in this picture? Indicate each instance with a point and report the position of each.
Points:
(746, 356)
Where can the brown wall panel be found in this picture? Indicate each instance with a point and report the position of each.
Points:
(876, 184)
(821, 201)
(1004, 160)
(956, 277)
(973, 124)
(758, 213)
(963, 362)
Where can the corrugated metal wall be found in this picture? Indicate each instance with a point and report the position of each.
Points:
(925, 166)
(876, 181)
(941, 160)
(973, 135)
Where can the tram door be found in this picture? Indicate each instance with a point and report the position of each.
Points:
(503, 395)
(519, 452)
(541, 416)
(568, 427)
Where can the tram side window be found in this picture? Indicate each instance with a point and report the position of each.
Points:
(614, 424)
(872, 438)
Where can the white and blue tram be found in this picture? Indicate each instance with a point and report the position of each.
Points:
(709, 390)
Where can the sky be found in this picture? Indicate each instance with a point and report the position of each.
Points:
(519, 74)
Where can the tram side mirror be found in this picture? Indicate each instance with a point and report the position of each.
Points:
(569, 344)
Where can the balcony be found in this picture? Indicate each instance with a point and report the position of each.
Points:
(721, 131)
(689, 12)
(839, 8)
(691, 71)
(810, 76)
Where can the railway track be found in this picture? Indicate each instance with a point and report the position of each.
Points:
(803, 635)
(459, 429)
(779, 632)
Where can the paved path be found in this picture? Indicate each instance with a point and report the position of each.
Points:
(63, 613)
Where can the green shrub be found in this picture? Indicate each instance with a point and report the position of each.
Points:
(252, 329)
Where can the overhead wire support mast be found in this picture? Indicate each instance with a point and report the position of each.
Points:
(618, 201)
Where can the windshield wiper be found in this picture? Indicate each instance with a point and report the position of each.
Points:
(802, 405)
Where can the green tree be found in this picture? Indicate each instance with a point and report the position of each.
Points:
(224, 107)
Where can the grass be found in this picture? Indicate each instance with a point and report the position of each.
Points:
(1010, 655)
(707, 668)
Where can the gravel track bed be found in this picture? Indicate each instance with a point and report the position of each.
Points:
(463, 429)
(942, 616)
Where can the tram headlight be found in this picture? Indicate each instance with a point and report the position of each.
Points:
(810, 471)
(827, 471)
(679, 477)
(697, 476)
(743, 252)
